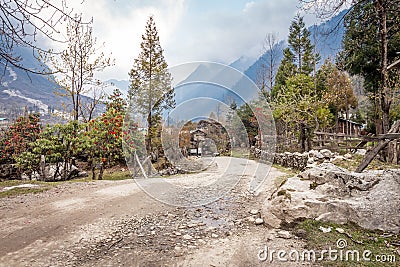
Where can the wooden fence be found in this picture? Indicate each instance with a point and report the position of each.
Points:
(342, 142)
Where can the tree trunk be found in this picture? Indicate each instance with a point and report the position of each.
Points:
(101, 172)
(385, 94)
(43, 168)
(303, 137)
(148, 137)
(93, 172)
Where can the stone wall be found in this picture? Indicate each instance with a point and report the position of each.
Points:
(8, 172)
(298, 161)
(295, 160)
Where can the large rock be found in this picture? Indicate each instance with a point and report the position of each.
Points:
(326, 153)
(54, 172)
(330, 193)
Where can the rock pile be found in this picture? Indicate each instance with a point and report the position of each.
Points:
(331, 193)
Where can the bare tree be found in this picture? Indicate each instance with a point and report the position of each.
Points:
(78, 63)
(88, 105)
(271, 51)
(22, 22)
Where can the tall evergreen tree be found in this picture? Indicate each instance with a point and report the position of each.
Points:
(150, 92)
(286, 70)
(298, 57)
(301, 47)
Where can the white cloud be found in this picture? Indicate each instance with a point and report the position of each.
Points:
(248, 6)
(217, 32)
(225, 36)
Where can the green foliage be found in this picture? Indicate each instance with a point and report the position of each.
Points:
(322, 77)
(16, 139)
(361, 46)
(59, 144)
(301, 47)
(370, 44)
(298, 58)
(28, 162)
(297, 102)
(357, 238)
(286, 69)
(298, 106)
(104, 137)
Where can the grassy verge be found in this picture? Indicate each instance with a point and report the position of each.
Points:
(385, 248)
(240, 153)
(117, 175)
(352, 164)
(43, 186)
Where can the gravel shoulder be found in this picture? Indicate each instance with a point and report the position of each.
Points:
(116, 223)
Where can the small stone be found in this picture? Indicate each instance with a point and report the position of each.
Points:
(177, 248)
(254, 212)
(258, 221)
(178, 234)
(301, 233)
(284, 234)
(214, 235)
(348, 156)
(187, 237)
(340, 230)
(325, 229)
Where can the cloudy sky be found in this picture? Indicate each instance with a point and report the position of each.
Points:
(190, 30)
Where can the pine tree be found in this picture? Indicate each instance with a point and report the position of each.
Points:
(301, 47)
(298, 57)
(286, 70)
(150, 92)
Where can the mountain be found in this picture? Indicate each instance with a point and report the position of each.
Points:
(326, 36)
(242, 63)
(122, 85)
(20, 88)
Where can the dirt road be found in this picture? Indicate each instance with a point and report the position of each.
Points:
(116, 223)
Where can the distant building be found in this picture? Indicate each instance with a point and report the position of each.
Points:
(4, 122)
(196, 137)
(349, 127)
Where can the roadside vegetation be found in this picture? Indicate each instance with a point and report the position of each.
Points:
(381, 244)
